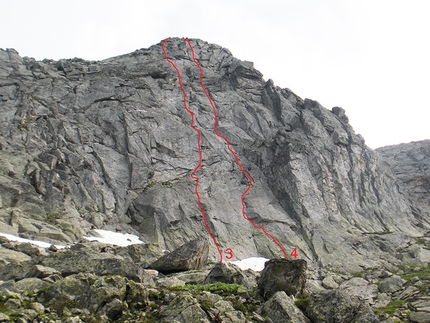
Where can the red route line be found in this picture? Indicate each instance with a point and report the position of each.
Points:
(233, 154)
(193, 176)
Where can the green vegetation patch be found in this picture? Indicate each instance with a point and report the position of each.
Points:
(391, 307)
(215, 287)
(302, 302)
(421, 241)
(410, 271)
(238, 304)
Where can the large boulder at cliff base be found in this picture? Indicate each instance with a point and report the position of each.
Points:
(284, 275)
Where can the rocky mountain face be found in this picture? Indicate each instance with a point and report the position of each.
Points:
(411, 164)
(108, 144)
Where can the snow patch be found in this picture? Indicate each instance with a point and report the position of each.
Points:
(115, 238)
(254, 263)
(42, 244)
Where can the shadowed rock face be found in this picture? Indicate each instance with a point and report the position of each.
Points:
(108, 144)
(411, 165)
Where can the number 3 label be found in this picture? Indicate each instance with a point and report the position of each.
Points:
(229, 253)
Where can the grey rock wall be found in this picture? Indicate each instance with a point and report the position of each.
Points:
(411, 165)
(108, 144)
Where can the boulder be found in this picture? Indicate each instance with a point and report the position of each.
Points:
(409, 292)
(231, 274)
(227, 313)
(281, 308)
(142, 253)
(391, 284)
(26, 284)
(89, 257)
(113, 309)
(7, 255)
(69, 263)
(337, 306)
(360, 287)
(137, 296)
(382, 300)
(183, 309)
(192, 255)
(329, 283)
(191, 276)
(148, 277)
(283, 275)
(169, 282)
(83, 260)
(17, 271)
(422, 304)
(43, 271)
(419, 317)
(31, 249)
(87, 291)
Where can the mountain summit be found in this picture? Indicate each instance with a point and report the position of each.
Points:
(109, 145)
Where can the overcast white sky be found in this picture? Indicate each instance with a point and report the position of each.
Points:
(371, 57)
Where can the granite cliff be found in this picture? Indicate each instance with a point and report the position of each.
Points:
(108, 144)
(411, 164)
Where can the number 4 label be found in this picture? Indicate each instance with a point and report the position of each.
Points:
(294, 253)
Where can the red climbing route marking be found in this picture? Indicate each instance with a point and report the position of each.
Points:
(193, 173)
(242, 198)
